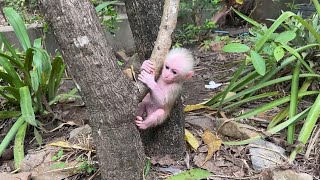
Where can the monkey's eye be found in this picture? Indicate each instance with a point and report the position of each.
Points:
(167, 67)
(174, 72)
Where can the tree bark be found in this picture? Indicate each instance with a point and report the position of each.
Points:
(167, 139)
(108, 94)
(144, 17)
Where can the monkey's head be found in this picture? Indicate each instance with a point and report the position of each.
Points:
(178, 66)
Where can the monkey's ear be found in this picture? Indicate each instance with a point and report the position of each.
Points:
(189, 75)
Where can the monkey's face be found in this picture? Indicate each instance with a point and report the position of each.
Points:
(172, 71)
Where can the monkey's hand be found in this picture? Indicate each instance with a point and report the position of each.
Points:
(141, 123)
(147, 78)
(147, 66)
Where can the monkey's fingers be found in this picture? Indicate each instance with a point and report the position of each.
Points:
(139, 118)
(141, 78)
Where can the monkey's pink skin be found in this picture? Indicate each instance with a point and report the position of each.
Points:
(147, 65)
(156, 105)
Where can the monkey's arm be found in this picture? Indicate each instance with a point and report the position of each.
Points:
(158, 94)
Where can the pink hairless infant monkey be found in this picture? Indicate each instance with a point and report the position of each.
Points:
(156, 105)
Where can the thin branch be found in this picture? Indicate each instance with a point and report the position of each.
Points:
(163, 42)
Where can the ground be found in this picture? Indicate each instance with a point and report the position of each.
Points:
(229, 162)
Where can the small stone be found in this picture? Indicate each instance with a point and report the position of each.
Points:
(290, 175)
(80, 131)
(265, 154)
(18, 176)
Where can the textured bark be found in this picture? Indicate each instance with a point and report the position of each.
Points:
(108, 94)
(144, 18)
(168, 138)
(163, 37)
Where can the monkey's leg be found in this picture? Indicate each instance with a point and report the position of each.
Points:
(141, 109)
(154, 119)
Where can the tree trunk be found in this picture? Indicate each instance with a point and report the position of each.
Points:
(108, 94)
(167, 139)
(144, 17)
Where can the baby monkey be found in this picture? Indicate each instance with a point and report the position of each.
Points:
(156, 105)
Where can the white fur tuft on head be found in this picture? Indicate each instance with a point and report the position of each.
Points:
(186, 56)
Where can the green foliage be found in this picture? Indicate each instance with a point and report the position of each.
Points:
(26, 8)
(191, 33)
(192, 174)
(29, 80)
(107, 14)
(199, 24)
(58, 155)
(86, 165)
(272, 58)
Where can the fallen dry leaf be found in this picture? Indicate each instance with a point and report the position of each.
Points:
(213, 142)
(128, 73)
(194, 107)
(66, 144)
(188, 136)
(239, 1)
(70, 123)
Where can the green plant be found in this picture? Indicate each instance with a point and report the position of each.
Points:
(200, 25)
(30, 81)
(86, 165)
(191, 33)
(273, 58)
(107, 14)
(28, 9)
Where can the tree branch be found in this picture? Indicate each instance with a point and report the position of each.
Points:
(163, 42)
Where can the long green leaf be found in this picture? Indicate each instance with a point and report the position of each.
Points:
(192, 174)
(249, 20)
(270, 31)
(279, 117)
(258, 62)
(9, 114)
(7, 78)
(234, 78)
(265, 84)
(11, 72)
(57, 71)
(17, 23)
(18, 148)
(41, 60)
(105, 4)
(37, 43)
(310, 121)
(13, 60)
(12, 90)
(10, 135)
(10, 98)
(295, 53)
(272, 105)
(293, 101)
(26, 106)
(271, 131)
(38, 136)
(250, 99)
(28, 60)
(317, 5)
(284, 112)
(9, 48)
(309, 27)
